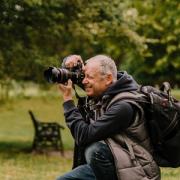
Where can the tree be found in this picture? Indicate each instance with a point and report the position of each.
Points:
(142, 37)
(158, 23)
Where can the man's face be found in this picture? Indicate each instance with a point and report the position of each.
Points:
(94, 82)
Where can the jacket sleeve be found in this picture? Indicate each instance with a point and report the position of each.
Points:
(117, 118)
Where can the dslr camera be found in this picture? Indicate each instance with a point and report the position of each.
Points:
(61, 75)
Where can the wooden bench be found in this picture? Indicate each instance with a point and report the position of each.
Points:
(47, 135)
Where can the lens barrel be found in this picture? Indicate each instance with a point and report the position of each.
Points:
(61, 75)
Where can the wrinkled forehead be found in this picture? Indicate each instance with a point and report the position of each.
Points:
(92, 66)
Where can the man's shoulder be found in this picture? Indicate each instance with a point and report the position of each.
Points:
(126, 96)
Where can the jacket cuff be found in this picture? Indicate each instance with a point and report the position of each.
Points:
(68, 106)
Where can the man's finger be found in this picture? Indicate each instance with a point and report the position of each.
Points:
(61, 86)
(69, 83)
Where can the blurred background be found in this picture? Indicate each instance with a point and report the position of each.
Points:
(143, 37)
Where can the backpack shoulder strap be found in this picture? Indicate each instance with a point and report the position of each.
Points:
(126, 96)
(130, 97)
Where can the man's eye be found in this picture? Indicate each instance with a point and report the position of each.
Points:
(90, 77)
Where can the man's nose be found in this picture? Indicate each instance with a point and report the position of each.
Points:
(84, 81)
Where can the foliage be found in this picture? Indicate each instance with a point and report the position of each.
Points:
(142, 37)
(158, 23)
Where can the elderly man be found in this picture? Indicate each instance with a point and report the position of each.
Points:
(111, 140)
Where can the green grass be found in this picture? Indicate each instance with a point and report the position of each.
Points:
(16, 124)
(21, 165)
(17, 162)
(16, 135)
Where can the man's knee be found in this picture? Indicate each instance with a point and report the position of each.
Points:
(60, 178)
(80, 172)
(94, 152)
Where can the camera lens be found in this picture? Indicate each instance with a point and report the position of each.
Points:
(57, 75)
(51, 74)
(61, 75)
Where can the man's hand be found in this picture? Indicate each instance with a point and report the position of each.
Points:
(66, 90)
(72, 60)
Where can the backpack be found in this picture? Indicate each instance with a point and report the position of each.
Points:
(162, 113)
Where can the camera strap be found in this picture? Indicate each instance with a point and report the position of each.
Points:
(76, 94)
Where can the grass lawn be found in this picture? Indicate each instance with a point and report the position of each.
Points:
(16, 134)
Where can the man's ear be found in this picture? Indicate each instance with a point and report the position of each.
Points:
(109, 79)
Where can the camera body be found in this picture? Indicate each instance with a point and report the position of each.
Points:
(61, 75)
